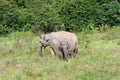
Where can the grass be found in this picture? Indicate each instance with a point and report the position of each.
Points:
(98, 59)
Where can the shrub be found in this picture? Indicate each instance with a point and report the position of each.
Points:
(108, 13)
(55, 15)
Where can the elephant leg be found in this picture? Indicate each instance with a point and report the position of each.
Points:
(75, 52)
(52, 52)
(69, 53)
(62, 54)
(64, 49)
(76, 49)
(65, 53)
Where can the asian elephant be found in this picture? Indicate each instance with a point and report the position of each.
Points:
(61, 43)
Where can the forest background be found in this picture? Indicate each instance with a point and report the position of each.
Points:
(55, 15)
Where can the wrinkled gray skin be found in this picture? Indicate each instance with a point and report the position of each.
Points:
(61, 43)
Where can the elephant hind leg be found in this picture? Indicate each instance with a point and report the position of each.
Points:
(75, 52)
(76, 48)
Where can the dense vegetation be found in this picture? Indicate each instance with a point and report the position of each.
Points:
(53, 15)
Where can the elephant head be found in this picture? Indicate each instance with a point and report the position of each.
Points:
(49, 40)
(44, 42)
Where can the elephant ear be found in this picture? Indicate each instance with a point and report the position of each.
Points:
(50, 42)
(42, 36)
(48, 38)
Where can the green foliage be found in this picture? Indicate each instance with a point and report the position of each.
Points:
(109, 13)
(13, 18)
(78, 14)
(55, 15)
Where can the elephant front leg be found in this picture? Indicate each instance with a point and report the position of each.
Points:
(65, 53)
(52, 52)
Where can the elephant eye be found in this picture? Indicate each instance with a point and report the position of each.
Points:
(47, 40)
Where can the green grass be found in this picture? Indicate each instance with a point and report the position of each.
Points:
(98, 59)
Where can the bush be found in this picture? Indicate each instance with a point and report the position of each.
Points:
(109, 13)
(55, 15)
(77, 14)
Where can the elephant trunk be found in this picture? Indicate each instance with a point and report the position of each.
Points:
(40, 51)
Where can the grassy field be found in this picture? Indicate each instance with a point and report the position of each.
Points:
(98, 59)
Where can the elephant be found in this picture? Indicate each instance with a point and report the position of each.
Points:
(61, 43)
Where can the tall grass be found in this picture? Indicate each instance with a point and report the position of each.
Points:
(98, 59)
